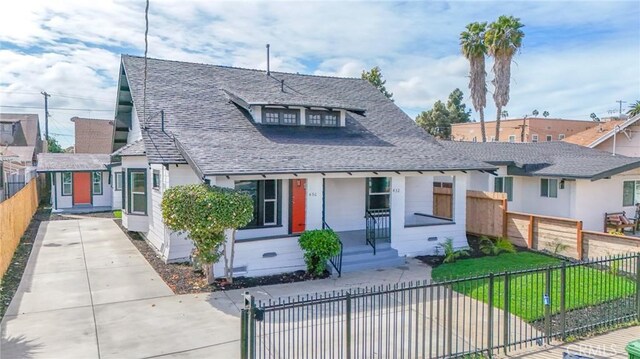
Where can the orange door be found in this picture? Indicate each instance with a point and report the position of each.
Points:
(298, 205)
(81, 188)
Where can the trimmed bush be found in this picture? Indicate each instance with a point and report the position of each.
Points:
(318, 245)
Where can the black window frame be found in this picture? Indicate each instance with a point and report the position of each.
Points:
(155, 179)
(386, 194)
(62, 192)
(259, 208)
(323, 118)
(130, 173)
(505, 186)
(281, 113)
(545, 186)
(93, 183)
(549, 138)
(1, 175)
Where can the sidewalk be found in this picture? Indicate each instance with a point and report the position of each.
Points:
(88, 293)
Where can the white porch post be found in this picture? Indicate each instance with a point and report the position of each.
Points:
(460, 207)
(315, 193)
(397, 207)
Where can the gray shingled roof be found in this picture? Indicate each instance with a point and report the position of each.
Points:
(218, 137)
(135, 148)
(548, 159)
(52, 162)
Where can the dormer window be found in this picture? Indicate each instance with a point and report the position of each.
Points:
(272, 116)
(323, 118)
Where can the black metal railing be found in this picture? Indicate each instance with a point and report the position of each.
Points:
(475, 317)
(336, 261)
(378, 226)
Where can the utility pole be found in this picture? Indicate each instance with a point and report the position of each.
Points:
(620, 102)
(46, 115)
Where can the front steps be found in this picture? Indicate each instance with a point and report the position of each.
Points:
(360, 257)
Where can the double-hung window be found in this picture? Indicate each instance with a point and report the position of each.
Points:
(323, 118)
(271, 116)
(505, 185)
(67, 184)
(630, 193)
(118, 181)
(266, 201)
(534, 138)
(378, 193)
(549, 187)
(96, 183)
(137, 188)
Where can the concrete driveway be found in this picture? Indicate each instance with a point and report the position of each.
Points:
(87, 292)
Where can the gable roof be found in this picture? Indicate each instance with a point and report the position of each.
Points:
(206, 126)
(591, 135)
(547, 159)
(622, 126)
(28, 133)
(55, 162)
(135, 148)
(93, 135)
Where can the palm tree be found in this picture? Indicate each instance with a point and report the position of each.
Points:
(474, 49)
(535, 113)
(502, 38)
(634, 109)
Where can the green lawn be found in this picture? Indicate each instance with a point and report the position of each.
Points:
(117, 214)
(585, 286)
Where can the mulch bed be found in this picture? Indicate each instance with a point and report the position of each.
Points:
(183, 278)
(474, 252)
(11, 279)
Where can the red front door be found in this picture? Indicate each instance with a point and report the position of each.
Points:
(81, 188)
(298, 205)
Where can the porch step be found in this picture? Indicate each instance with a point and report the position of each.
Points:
(358, 258)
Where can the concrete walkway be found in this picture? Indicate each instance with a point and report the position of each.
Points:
(87, 292)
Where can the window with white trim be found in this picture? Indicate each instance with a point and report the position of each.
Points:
(96, 183)
(67, 184)
(156, 179)
(512, 138)
(549, 138)
(323, 118)
(266, 201)
(504, 185)
(561, 136)
(630, 193)
(118, 181)
(137, 189)
(534, 138)
(274, 116)
(549, 187)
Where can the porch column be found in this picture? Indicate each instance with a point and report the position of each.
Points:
(315, 194)
(397, 207)
(459, 200)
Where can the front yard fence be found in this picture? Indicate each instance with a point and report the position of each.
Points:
(483, 315)
(15, 215)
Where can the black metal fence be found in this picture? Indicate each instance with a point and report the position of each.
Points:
(476, 316)
(335, 261)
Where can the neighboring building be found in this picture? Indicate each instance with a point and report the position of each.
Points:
(93, 135)
(621, 137)
(20, 142)
(79, 182)
(533, 129)
(557, 179)
(313, 151)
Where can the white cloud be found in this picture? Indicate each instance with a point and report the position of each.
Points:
(72, 47)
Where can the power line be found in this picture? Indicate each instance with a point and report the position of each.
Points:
(57, 94)
(56, 108)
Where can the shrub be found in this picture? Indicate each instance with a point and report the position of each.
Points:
(450, 254)
(318, 245)
(495, 247)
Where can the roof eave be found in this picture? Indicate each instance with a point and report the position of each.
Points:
(260, 173)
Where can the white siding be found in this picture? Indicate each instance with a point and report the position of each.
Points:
(136, 222)
(158, 235)
(135, 133)
(116, 195)
(345, 203)
(627, 146)
(419, 195)
(61, 202)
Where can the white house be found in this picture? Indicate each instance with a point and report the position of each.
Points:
(314, 152)
(621, 137)
(79, 182)
(557, 179)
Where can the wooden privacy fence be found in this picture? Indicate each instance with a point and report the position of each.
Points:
(442, 202)
(485, 210)
(15, 215)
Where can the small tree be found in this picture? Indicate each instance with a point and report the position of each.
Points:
(53, 146)
(376, 79)
(205, 212)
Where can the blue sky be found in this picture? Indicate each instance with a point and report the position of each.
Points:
(578, 57)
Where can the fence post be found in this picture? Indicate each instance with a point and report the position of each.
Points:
(638, 284)
(547, 305)
(579, 243)
(506, 312)
(563, 299)
(530, 233)
(450, 321)
(348, 322)
(244, 326)
(490, 318)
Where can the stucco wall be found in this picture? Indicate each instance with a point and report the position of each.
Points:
(345, 203)
(626, 146)
(64, 202)
(419, 195)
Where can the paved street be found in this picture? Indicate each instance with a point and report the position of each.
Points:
(88, 293)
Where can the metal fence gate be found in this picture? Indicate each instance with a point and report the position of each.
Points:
(480, 316)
